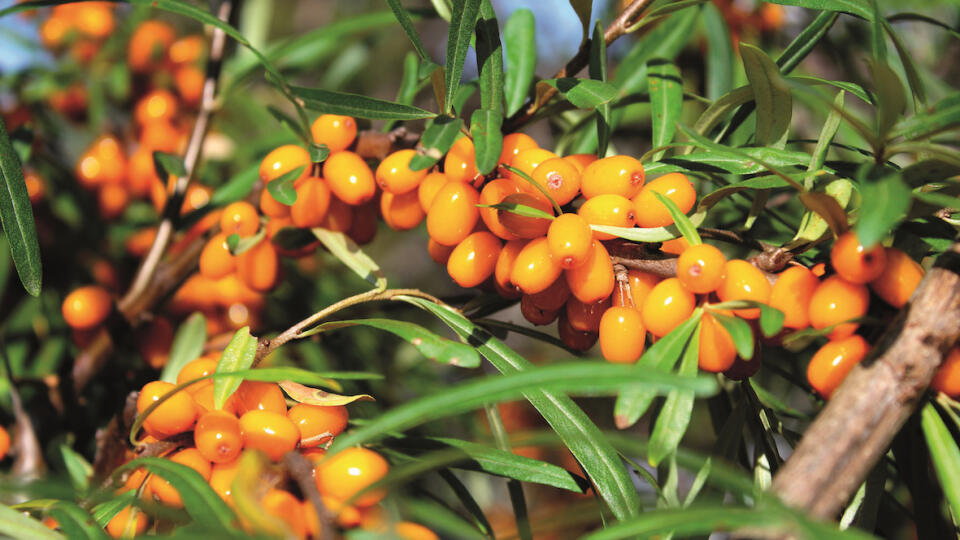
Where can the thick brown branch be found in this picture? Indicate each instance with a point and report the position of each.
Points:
(856, 427)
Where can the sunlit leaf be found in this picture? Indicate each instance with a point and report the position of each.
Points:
(315, 396)
(439, 136)
(238, 355)
(16, 217)
(519, 40)
(187, 345)
(350, 254)
(462, 21)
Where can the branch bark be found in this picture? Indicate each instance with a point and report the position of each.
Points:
(852, 433)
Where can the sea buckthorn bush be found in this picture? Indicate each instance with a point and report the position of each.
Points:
(460, 269)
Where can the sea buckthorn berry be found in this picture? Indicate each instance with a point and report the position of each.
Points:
(260, 396)
(202, 394)
(175, 415)
(159, 104)
(112, 200)
(453, 214)
(831, 364)
(128, 522)
(216, 261)
(791, 294)
(429, 187)
(513, 144)
(148, 45)
(259, 266)
(217, 436)
(270, 207)
(318, 424)
(460, 163)
(335, 131)
(622, 335)
(474, 259)
(401, 212)
(339, 216)
(560, 178)
(853, 262)
(700, 268)
(580, 161)
(407, 530)
(534, 269)
(527, 161)
(394, 174)
(593, 280)
(153, 341)
(573, 338)
(53, 32)
(313, 201)
(439, 252)
(349, 472)
(946, 379)
(349, 177)
(667, 305)
(553, 297)
(283, 505)
(366, 220)
(535, 314)
(221, 478)
(641, 283)
(200, 367)
(187, 50)
(240, 218)
(494, 192)
(837, 300)
(819, 269)
(744, 281)
(586, 317)
(620, 175)
(504, 267)
(189, 81)
(569, 238)
(899, 278)
(86, 307)
(284, 159)
(4, 442)
(36, 187)
(272, 433)
(525, 226)
(161, 135)
(674, 186)
(717, 350)
(675, 246)
(166, 493)
(608, 209)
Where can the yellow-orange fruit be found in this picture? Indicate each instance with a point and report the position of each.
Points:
(460, 163)
(608, 209)
(791, 294)
(336, 131)
(534, 269)
(474, 259)
(837, 300)
(428, 189)
(899, 278)
(86, 307)
(717, 350)
(513, 144)
(525, 226)
(504, 267)
(453, 213)
(527, 161)
(348, 472)
(216, 261)
(569, 238)
(831, 364)
(620, 175)
(674, 186)
(700, 268)
(284, 159)
(667, 305)
(593, 280)
(744, 281)
(148, 45)
(259, 267)
(394, 174)
(164, 491)
(622, 335)
(175, 415)
(401, 212)
(947, 378)
(272, 433)
(318, 424)
(853, 262)
(494, 192)
(349, 177)
(439, 252)
(313, 201)
(560, 178)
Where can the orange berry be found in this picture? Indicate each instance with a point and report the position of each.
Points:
(187, 50)
(259, 266)
(837, 300)
(593, 280)
(112, 200)
(717, 351)
(394, 174)
(946, 379)
(221, 478)
(620, 175)
(349, 177)
(335, 131)
(535, 314)
(36, 187)
(622, 335)
(553, 297)
(608, 209)
(900, 277)
(667, 305)
(831, 364)
(401, 212)
(854, 263)
(272, 433)
(284, 506)
(318, 424)
(153, 341)
(504, 267)
(201, 367)
(272, 208)
(513, 144)
(580, 161)
(348, 472)
(494, 192)
(217, 436)
(284, 159)
(675, 246)
(569, 239)
(534, 269)
(744, 281)
(148, 45)
(474, 259)
(560, 178)
(175, 415)
(439, 252)
(791, 294)
(260, 396)
(313, 201)
(819, 270)
(700, 268)
(573, 338)
(166, 493)
(339, 216)
(53, 31)
(524, 226)
(641, 283)
(189, 81)
(4, 442)
(527, 161)
(408, 530)
(240, 218)
(586, 317)
(674, 186)
(428, 189)
(129, 519)
(159, 104)
(216, 261)
(460, 163)
(161, 135)
(86, 307)
(453, 214)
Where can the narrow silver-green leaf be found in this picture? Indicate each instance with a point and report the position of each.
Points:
(187, 346)
(76, 522)
(357, 105)
(168, 164)
(652, 234)
(720, 55)
(78, 468)
(16, 217)
(439, 136)
(584, 93)
(462, 21)
(944, 454)
(891, 98)
(829, 130)
(490, 60)
(520, 210)
(666, 101)
(238, 355)
(403, 17)
(885, 202)
(485, 129)
(942, 116)
(771, 95)
(18, 525)
(520, 41)
(674, 418)
(598, 71)
(350, 254)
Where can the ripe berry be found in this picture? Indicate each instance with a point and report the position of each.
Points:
(674, 186)
(830, 365)
(428, 189)
(272, 433)
(189, 81)
(259, 266)
(534, 269)
(474, 259)
(573, 338)
(717, 351)
(580, 161)
(553, 297)
(835, 301)
(217, 436)
(157, 105)
(853, 262)
(240, 218)
(394, 174)
(460, 163)
(946, 380)
(667, 305)
(791, 294)
(494, 192)
(313, 201)
(586, 317)
(348, 472)
(622, 335)
(284, 159)
(4, 443)
(164, 491)
(86, 307)
(318, 424)
(128, 519)
(148, 45)
(366, 220)
(535, 314)
(260, 396)
(439, 252)
(527, 161)
(349, 177)
(175, 415)
(525, 226)
(569, 238)
(335, 131)
(283, 505)
(401, 212)
(187, 50)
(221, 478)
(899, 278)
(408, 530)
(216, 261)
(641, 283)
(620, 175)
(339, 216)
(700, 268)
(504, 267)
(513, 144)
(560, 178)
(593, 280)
(675, 246)
(608, 209)
(744, 281)
(453, 213)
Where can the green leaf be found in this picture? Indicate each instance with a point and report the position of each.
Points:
(439, 136)
(761, 182)
(533, 183)
(403, 17)
(771, 95)
(720, 55)
(943, 116)
(885, 202)
(107, 510)
(702, 142)
(236, 188)
(944, 454)
(598, 71)
(683, 223)
(583, 9)
(584, 93)
(739, 331)
(16, 217)
(519, 209)
(432, 346)
(17, 525)
(187, 346)
(286, 121)
(199, 499)
(771, 320)
(652, 234)
(238, 354)
(909, 68)
(318, 152)
(282, 190)
(357, 106)
(666, 101)
(860, 8)
(490, 60)
(827, 133)
(853, 88)
(485, 129)
(168, 164)
(520, 41)
(674, 418)
(721, 108)
(878, 40)
(78, 468)
(806, 40)
(76, 522)
(462, 22)
(891, 99)
(350, 254)
(634, 400)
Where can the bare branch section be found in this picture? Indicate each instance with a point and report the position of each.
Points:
(852, 433)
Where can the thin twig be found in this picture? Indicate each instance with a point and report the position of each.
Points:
(301, 470)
